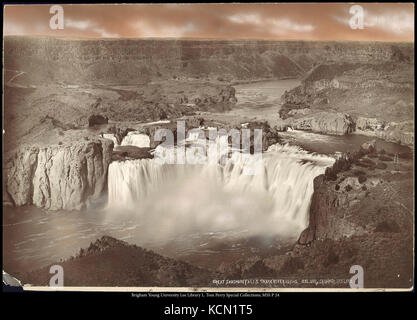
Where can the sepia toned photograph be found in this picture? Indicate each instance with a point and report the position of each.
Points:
(208, 147)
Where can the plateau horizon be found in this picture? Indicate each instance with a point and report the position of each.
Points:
(192, 148)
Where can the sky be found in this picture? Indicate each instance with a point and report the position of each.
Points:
(279, 21)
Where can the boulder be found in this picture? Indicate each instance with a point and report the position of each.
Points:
(362, 178)
(369, 146)
(97, 119)
(307, 236)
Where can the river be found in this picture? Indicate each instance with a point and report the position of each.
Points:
(261, 100)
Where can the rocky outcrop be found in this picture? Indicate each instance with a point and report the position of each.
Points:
(322, 204)
(19, 175)
(131, 152)
(353, 184)
(369, 146)
(97, 119)
(224, 94)
(111, 136)
(342, 123)
(57, 177)
(217, 98)
(324, 122)
(270, 135)
(370, 124)
(397, 132)
(326, 199)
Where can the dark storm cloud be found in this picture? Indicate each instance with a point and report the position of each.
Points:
(383, 22)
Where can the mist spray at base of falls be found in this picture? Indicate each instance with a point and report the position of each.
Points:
(170, 200)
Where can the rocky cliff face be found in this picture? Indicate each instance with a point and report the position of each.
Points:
(324, 122)
(402, 133)
(57, 177)
(361, 216)
(351, 196)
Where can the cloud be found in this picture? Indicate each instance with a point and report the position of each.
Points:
(146, 29)
(13, 28)
(277, 26)
(243, 18)
(87, 25)
(103, 33)
(282, 26)
(303, 21)
(78, 24)
(400, 23)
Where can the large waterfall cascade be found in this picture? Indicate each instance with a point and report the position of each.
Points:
(188, 198)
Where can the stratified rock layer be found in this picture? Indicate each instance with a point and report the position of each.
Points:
(59, 176)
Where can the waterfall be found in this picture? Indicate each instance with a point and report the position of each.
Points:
(136, 139)
(185, 198)
(111, 137)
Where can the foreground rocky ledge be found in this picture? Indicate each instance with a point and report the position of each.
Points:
(111, 262)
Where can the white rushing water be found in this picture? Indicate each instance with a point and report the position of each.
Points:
(177, 199)
(136, 139)
(111, 137)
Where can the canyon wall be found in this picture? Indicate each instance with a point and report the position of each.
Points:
(355, 79)
(134, 61)
(56, 177)
(376, 96)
